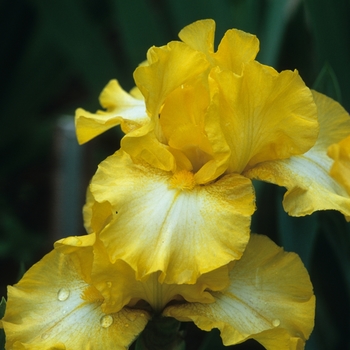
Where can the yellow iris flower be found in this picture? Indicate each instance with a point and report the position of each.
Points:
(199, 125)
(75, 298)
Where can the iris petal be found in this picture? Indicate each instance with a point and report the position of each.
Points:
(307, 178)
(235, 48)
(264, 115)
(340, 170)
(121, 108)
(118, 285)
(167, 224)
(269, 299)
(54, 306)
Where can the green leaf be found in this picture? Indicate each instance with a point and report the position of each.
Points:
(75, 36)
(148, 29)
(274, 26)
(212, 341)
(297, 234)
(330, 25)
(161, 333)
(328, 84)
(2, 307)
(2, 313)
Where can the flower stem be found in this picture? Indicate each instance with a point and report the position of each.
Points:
(161, 333)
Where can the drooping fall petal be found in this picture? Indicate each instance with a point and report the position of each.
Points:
(119, 287)
(164, 222)
(307, 178)
(269, 299)
(54, 306)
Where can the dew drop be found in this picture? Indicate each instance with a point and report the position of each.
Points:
(276, 322)
(131, 316)
(63, 294)
(126, 325)
(106, 321)
(109, 284)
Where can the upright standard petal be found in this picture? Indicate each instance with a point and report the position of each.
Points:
(121, 108)
(165, 222)
(190, 123)
(54, 306)
(235, 49)
(269, 299)
(307, 177)
(264, 115)
(199, 36)
(169, 67)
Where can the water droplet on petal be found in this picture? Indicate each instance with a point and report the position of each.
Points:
(131, 316)
(276, 322)
(63, 294)
(109, 284)
(106, 321)
(126, 325)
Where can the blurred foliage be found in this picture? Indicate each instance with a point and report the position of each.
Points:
(58, 55)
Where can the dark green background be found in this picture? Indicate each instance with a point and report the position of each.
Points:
(58, 55)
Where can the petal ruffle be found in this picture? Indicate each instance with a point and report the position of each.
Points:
(264, 115)
(310, 186)
(340, 170)
(118, 285)
(121, 108)
(168, 223)
(235, 48)
(54, 307)
(169, 67)
(191, 126)
(199, 36)
(269, 299)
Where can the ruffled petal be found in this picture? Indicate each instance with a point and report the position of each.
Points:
(340, 170)
(169, 67)
(121, 108)
(264, 115)
(119, 287)
(199, 36)
(165, 222)
(54, 307)
(269, 299)
(96, 215)
(190, 123)
(307, 177)
(235, 48)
